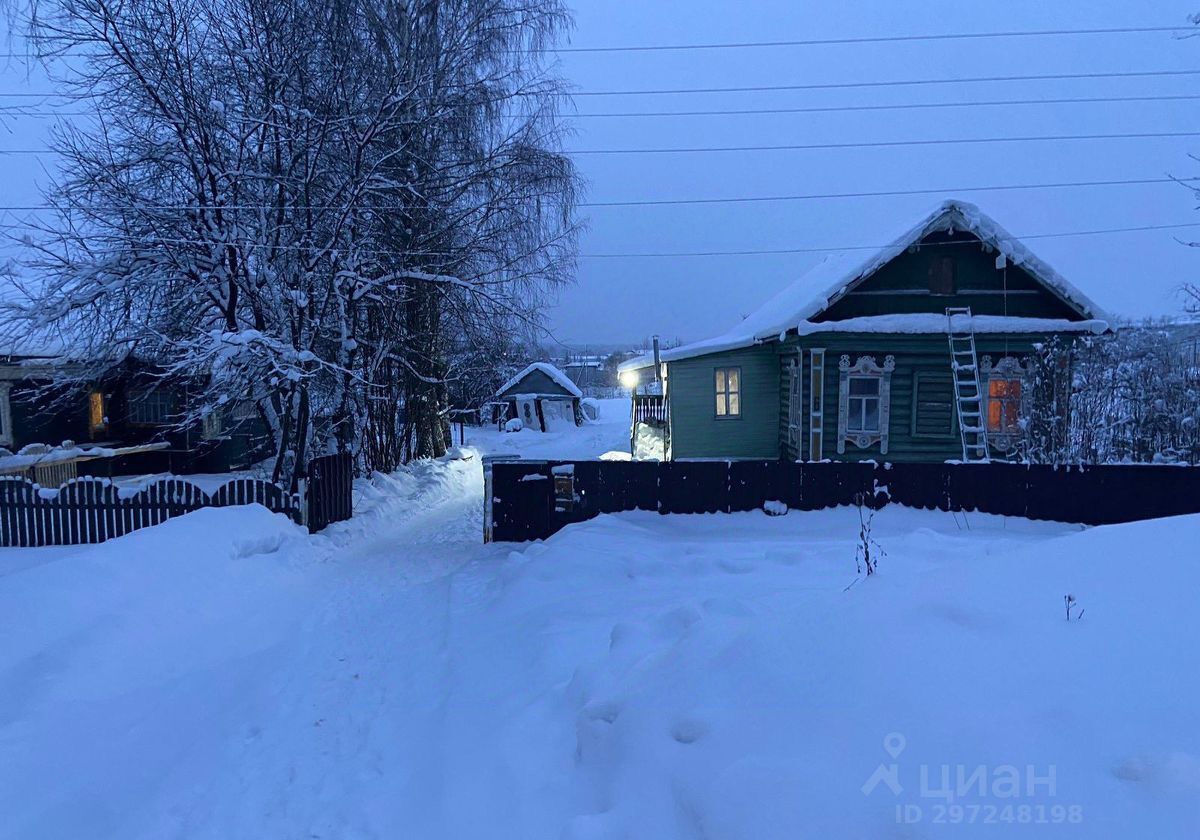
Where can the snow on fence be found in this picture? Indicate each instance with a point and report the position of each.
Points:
(92, 510)
(524, 509)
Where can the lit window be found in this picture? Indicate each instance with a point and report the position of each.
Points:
(97, 413)
(729, 392)
(1004, 406)
(863, 404)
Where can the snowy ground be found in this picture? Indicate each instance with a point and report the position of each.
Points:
(637, 676)
(608, 434)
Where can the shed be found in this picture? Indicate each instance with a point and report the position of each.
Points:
(542, 396)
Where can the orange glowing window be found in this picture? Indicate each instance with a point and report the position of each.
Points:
(1004, 405)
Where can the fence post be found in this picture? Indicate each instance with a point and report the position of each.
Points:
(302, 499)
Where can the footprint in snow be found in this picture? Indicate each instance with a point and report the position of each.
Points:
(602, 710)
(736, 565)
(689, 730)
(622, 635)
(728, 607)
(676, 621)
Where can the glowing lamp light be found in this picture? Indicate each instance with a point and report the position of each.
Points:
(629, 379)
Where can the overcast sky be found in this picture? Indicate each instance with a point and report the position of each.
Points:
(625, 299)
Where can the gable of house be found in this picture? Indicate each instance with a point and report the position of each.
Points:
(542, 380)
(535, 383)
(950, 270)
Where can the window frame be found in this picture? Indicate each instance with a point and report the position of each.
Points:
(1008, 368)
(212, 425)
(865, 367)
(1006, 405)
(727, 392)
(136, 397)
(97, 425)
(875, 379)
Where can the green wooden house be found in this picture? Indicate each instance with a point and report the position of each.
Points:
(919, 352)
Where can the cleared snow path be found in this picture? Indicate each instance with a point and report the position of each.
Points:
(306, 710)
(343, 736)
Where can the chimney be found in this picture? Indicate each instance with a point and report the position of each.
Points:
(657, 359)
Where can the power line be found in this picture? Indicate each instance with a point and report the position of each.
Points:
(818, 109)
(887, 193)
(873, 144)
(39, 208)
(784, 251)
(886, 144)
(155, 241)
(808, 42)
(877, 39)
(906, 106)
(1045, 77)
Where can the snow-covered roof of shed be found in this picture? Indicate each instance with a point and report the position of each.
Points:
(557, 376)
(794, 307)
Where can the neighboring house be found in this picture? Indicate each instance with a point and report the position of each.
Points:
(129, 407)
(588, 373)
(855, 360)
(542, 396)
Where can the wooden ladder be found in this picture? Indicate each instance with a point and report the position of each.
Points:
(968, 397)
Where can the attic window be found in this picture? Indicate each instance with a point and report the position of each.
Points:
(942, 276)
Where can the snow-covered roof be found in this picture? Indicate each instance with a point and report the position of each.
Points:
(931, 322)
(793, 308)
(556, 375)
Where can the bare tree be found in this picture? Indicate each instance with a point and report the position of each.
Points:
(1131, 397)
(319, 207)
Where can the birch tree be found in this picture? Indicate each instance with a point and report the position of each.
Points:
(323, 208)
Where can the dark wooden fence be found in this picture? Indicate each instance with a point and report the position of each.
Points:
(92, 510)
(330, 490)
(533, 499)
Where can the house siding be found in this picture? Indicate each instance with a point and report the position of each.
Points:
(915, 355)
(691, 395)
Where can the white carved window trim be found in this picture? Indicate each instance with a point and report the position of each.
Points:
(6, 429)
(795, 403)
(1009, 368)
(864, 367)
(816, 408)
